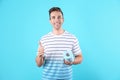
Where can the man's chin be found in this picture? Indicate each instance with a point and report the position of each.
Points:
(57, 27)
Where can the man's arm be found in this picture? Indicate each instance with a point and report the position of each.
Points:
(78, 59)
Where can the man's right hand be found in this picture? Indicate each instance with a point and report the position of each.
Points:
(39, 58)
(40, 50)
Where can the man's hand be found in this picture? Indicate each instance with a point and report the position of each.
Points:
(39, 58)
(77, 60)
(40, 51)
(68, 62)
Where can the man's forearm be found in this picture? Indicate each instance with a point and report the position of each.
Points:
(39, 60)
(78, 59)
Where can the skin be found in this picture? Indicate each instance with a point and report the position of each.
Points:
(56, 20)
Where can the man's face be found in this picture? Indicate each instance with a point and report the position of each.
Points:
(56, 19)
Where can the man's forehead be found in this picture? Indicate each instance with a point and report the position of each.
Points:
(56, 13)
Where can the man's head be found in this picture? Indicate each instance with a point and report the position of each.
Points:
(56, 17)
(54, 9)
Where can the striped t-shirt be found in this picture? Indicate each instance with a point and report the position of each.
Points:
(54, 67)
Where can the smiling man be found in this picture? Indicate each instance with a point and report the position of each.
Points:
(52, 47)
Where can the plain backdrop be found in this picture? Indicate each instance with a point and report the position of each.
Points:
(96, 23)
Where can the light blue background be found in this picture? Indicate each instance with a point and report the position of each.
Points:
(96, 23)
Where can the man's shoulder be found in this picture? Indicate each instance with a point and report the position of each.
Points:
(70, 34)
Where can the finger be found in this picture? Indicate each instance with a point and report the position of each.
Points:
(40, 49)
(40, 54)
(41, 44)
(67, 62)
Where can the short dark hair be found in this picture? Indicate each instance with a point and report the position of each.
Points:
(55, 9)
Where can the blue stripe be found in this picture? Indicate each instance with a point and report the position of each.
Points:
(54, 67)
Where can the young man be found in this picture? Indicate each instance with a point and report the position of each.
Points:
(53, 45)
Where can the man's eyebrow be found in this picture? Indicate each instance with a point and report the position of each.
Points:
(52, 16)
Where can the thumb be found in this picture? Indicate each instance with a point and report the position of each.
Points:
(42, 48)
(41, 44)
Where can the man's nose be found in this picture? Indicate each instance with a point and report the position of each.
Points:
(56, 20)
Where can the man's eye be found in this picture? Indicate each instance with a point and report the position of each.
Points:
(53, 17)
(59, 17)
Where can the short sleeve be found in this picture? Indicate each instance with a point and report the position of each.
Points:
(76, 47)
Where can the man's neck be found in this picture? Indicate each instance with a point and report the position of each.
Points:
(58, 32)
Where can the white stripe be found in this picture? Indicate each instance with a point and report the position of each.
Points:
(54, 47)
